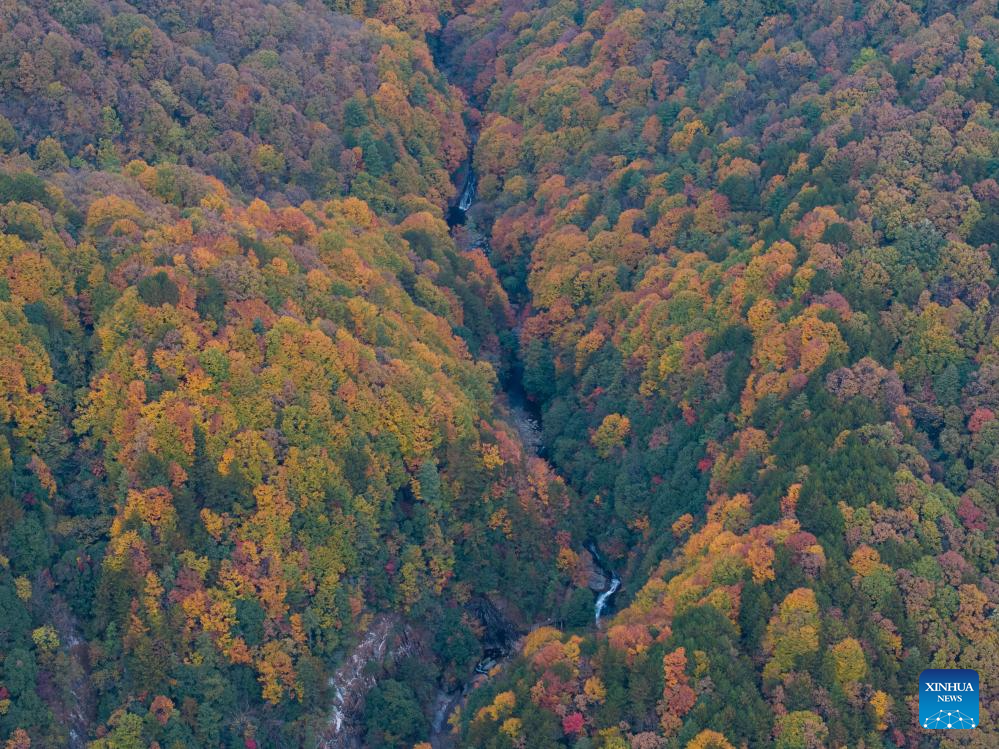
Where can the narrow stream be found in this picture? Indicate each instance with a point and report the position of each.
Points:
(499, 642)
(524, 414)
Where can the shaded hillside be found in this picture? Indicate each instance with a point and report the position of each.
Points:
(285, 99)
(232, 432)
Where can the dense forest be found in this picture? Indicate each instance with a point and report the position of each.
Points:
(290, 458)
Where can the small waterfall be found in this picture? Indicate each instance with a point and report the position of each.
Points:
(603, 597)
(456, 213)
(615, 583)
(468, 192)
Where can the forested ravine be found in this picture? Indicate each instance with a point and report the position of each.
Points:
(500, 645)
(570, 374)
(500, 641)
(388, 638)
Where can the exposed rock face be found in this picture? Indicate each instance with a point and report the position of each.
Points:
(386, 639)
(78, 716)
(597, 579)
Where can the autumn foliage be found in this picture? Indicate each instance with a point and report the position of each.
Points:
(733, 264)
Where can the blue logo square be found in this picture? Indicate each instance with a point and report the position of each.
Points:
(948, 698)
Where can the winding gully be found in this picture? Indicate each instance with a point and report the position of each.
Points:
(388, 637)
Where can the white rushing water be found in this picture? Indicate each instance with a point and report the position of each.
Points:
(601, 603)
(615, 582)
(468, 194)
